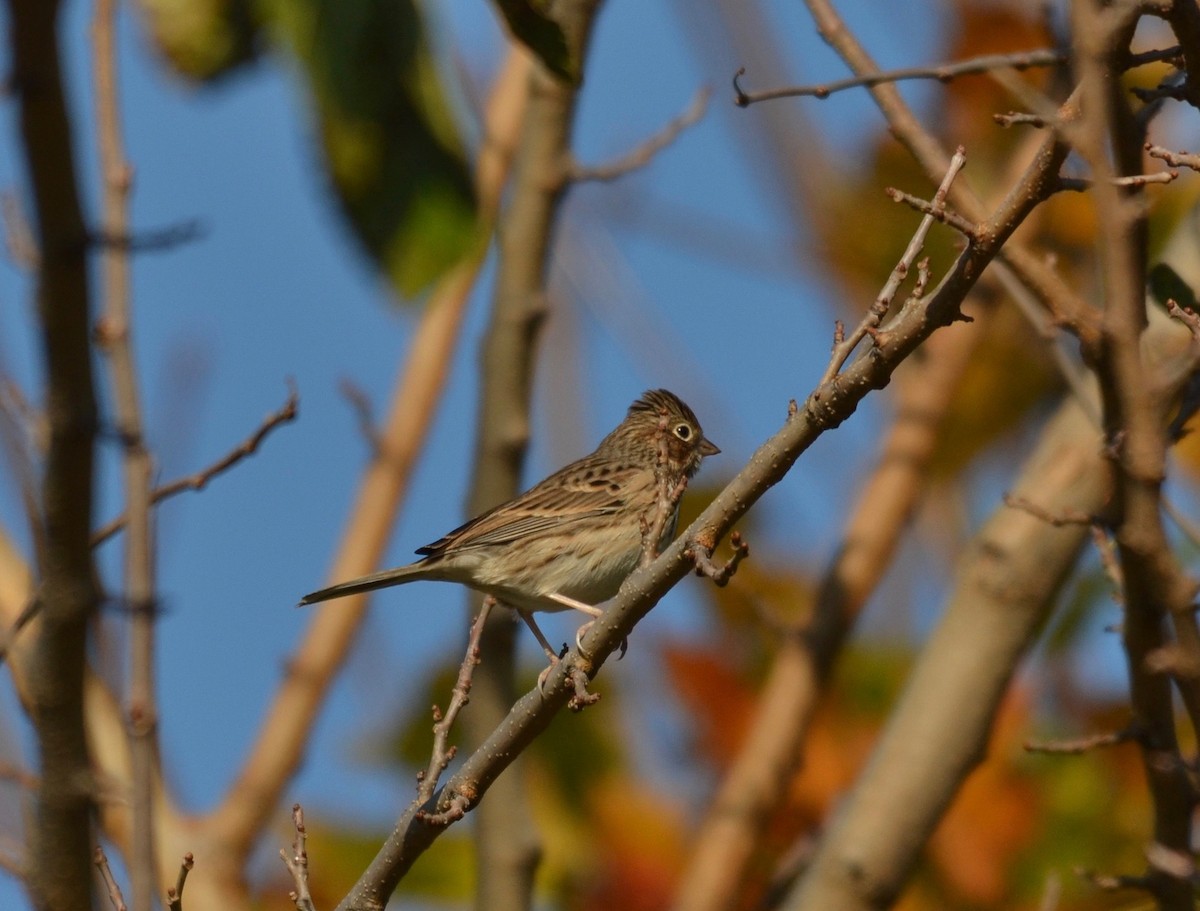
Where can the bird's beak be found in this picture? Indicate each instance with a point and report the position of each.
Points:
(708, 448)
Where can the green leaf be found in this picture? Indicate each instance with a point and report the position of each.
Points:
(543, 36)
(391, 146)
(1165, 284)
(202, 39)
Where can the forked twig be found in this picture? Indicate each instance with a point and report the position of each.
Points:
(845, 345)
(442, 753)
(297, 863)
(100, 859)
(1174, 159)
(175, 893)
(720, 573)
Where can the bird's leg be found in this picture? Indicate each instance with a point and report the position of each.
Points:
(580, 606)
(544, 643)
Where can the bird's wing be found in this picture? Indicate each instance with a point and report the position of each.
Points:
(571, 495)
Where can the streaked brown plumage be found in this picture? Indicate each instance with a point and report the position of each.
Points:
(571, 540)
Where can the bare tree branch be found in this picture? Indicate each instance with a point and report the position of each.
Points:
(175, 892)
(944, 72)
(297, 863)
(113, 336)
(646, 152)
(200, 479)
(60, 844)
(110, 882)
(1135, 423)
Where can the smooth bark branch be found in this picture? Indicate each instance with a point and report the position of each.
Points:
(938, 732)
(113, 336)
(60, 841)
(506, 842)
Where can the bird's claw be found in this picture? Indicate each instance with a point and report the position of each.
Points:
(545, 674)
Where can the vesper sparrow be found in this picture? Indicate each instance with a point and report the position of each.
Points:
(570, 541)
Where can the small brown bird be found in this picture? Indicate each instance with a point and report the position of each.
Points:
(571, 540)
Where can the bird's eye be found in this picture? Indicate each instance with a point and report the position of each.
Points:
(683, 431)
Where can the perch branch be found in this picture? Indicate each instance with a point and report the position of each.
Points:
(826, 407)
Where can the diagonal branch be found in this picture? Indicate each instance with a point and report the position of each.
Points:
(826, 407)
(644, 153)
(199, 480)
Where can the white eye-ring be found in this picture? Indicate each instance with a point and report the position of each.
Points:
(683, 431)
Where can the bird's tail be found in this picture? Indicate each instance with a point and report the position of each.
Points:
(383, 579)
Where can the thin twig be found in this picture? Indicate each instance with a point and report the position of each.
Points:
(200, 479)
(175, 893)
(870, 323)
(442, 753)
(949, 217)
(1174, 159)
(100, 859)
(1015, 118)
(156, 241)
(18, 235)
(297, 863)
(1081, 745)
(1057, 520)
(720, 573)
(644, 153)
(1084, 184)
(360, 404)
(1107, 549)
(941, 72)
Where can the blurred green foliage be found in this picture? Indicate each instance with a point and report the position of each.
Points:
(391, 148)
